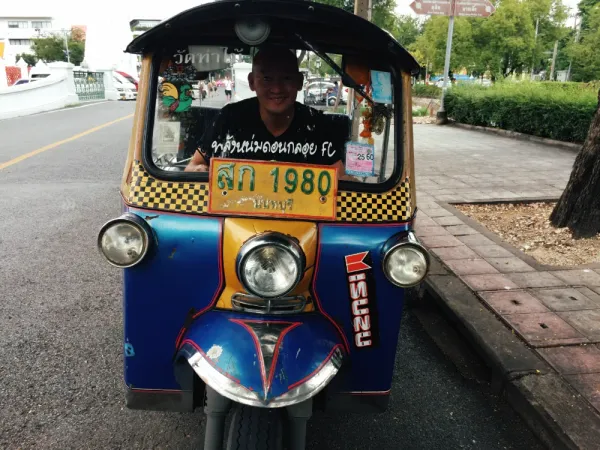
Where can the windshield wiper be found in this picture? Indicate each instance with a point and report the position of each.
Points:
(347, 80)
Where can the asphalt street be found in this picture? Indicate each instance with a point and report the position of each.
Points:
(61, 358)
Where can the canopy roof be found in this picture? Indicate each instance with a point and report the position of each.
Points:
(326, 28)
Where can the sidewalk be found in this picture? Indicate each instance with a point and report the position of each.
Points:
(554, 311)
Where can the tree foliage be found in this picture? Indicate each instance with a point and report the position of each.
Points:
(585, 53)
(31, 60)
(52, 48)
(502, 44)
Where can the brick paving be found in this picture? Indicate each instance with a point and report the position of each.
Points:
(555, 311)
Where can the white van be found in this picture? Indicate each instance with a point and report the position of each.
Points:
(125, 88)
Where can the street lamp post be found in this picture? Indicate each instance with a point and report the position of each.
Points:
(64, 33)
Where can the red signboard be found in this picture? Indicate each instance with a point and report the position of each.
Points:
(463, 8)
(431, 7)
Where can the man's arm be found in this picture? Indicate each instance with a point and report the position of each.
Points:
(198, 163)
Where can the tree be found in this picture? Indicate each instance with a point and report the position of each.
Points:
(579, 205)
(31, 60)
(78, 34)
(585, 8)
(382, 13)
(432, 43)
(76, 52)
(52, 48)
(407, 30)
(585, 53)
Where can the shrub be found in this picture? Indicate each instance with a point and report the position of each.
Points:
(426, 91)
(561, 111)
(420, 112)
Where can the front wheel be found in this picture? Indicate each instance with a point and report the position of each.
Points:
(255, 429)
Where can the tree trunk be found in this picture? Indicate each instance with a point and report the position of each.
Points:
(579, 204)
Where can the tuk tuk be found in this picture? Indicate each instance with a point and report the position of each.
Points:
(271, 285)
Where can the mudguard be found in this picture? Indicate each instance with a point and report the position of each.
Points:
(265, 361)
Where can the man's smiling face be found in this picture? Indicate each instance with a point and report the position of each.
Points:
(276, 80)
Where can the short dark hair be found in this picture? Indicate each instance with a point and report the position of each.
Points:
(280, 54)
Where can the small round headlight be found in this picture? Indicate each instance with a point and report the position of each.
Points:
(270, 265)
(123, 242)
(406, 264)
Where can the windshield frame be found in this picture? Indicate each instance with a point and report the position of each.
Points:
(398, 138)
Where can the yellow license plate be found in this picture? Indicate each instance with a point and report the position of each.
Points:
(261, 188)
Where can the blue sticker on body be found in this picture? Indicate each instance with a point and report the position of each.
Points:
(381, 85)
(360, 159)
(129, 351)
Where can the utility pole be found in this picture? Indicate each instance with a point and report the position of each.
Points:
(64, 33)
(362, 8)
(442, 115)
(553, 61)
(576, 39)
(537, 26)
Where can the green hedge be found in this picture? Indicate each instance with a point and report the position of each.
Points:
(561, 111)
(426, 90)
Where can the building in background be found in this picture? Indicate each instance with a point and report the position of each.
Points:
(17, 33)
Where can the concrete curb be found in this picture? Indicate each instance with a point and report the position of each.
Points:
(515, 135)
(559, 416)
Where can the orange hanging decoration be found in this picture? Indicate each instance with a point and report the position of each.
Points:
(366, 132)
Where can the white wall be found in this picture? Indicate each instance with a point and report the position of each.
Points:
(45, 94)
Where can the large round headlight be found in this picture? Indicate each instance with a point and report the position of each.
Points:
(124, 241)
(270, 265)
(406, 264)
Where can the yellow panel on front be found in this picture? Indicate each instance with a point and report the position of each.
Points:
(237, 231)
(260, 188)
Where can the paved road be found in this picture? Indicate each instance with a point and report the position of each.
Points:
(60, 319)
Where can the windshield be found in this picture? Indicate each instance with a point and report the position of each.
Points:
(273, 104)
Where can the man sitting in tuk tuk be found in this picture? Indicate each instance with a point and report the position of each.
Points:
(272, 125)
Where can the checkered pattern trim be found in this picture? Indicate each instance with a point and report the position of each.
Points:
(148, 192)
(391, 206)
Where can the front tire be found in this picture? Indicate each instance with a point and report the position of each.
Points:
(255, 429)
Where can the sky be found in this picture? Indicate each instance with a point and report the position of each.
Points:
(67, 12)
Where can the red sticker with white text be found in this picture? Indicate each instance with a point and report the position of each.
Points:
(363, 305)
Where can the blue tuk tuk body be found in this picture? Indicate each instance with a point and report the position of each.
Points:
(185, 274)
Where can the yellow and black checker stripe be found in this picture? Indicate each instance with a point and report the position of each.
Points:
(148, 192)
(391, 206)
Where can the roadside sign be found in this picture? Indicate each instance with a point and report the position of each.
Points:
(431, 7)
(473, 8)
(462, 8)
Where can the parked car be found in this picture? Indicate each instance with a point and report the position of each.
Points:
(320, 92)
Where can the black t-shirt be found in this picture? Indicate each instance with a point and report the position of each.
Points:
(239, 133)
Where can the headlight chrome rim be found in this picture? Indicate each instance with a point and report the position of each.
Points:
(411, 242)
(274, 239)
(138, 223)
